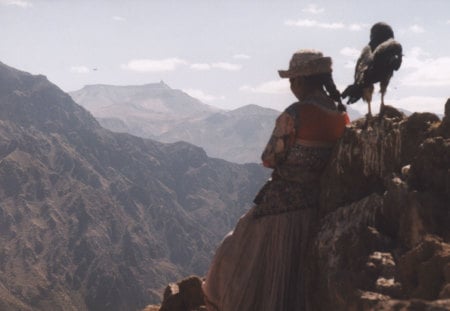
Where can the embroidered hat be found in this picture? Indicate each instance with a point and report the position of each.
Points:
(306, 63)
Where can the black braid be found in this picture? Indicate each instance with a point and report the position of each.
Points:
(326, 81)
(332, 90)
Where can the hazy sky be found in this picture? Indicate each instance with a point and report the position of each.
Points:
(226, 53)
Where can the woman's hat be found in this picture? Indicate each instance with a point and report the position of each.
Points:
(307, 63)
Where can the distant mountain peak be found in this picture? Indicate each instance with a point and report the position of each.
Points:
(136, 104)
(253, 109)
(32, 100)
(84, 209)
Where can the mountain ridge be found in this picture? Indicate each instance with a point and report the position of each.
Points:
(95, 220)
(237, 135)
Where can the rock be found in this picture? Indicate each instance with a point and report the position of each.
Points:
(445, 292)
(412, 305)
(95, 220)
(444, 128)
(383, 239)
(384, 235)
(391, 112)
(421, 270)
(187, 295)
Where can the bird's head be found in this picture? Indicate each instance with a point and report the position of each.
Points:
(379, 33)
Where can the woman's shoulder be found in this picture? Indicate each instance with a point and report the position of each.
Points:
(323, 102)
(292, 109)
(320, 101)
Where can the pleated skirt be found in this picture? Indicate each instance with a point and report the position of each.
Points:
(261, 265)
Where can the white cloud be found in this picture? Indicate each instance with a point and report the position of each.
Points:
(20, 3)
(350, 52)
(271, 87)
(424, 70)
(420, 104)
(313, 9)
(226, 66)
(202, 96)
(218, 65)
(314, 23)
(79, 69)
(153, 65)
(448, 21)
(309, 23)
(357, 27)
(429, 72)
(241, 56)
(119, 18)
(200, 66)
(417, 29)
(412, 58)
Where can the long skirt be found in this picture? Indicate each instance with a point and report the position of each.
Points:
(261, 265)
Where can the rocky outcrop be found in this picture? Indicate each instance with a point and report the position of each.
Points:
(184, 296)
(384, 237)
(383, 240)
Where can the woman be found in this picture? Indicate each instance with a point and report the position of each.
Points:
(261, 264)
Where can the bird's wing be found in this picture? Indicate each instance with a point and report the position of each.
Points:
(362, 65)
(388, 55)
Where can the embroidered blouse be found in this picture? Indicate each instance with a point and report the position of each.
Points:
(315, 120)
(298, 151)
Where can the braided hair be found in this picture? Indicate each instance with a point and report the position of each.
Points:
(326, 81)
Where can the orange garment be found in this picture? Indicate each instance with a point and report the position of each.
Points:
(309, 120)
(320, 124)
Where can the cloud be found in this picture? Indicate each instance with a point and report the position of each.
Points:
(202, 96)
(241, 56)
(420, 104)
(412, 58)
(430, 72)
(313, 23)
(20, 3)
(448, 21)
(226, 66)
(271, 87)
(79, 69)
(425, 71)
(170, 64)
(218, 65)
(357, 27)
(119, 18)
(313, 9)
(309, 23)
(350, 52)
(200, 66)
(153, 65)
(417, 29)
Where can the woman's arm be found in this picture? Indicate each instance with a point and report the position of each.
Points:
(282, 137)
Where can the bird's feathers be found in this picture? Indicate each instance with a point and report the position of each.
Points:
(362, 64)
(388, 55)
(374, 66)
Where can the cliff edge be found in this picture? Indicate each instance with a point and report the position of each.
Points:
(383, 242)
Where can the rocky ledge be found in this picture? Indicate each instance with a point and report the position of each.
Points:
(383, 242)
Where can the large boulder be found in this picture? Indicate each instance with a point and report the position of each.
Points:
(383, 240)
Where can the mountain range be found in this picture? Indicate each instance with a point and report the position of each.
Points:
(168, 115)
(96, 220)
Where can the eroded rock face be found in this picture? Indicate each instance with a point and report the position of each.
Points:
(383, 242)
(186, 295)
(384, 238)
(95, 220)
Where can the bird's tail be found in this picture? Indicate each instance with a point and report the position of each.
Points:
(354, 92)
